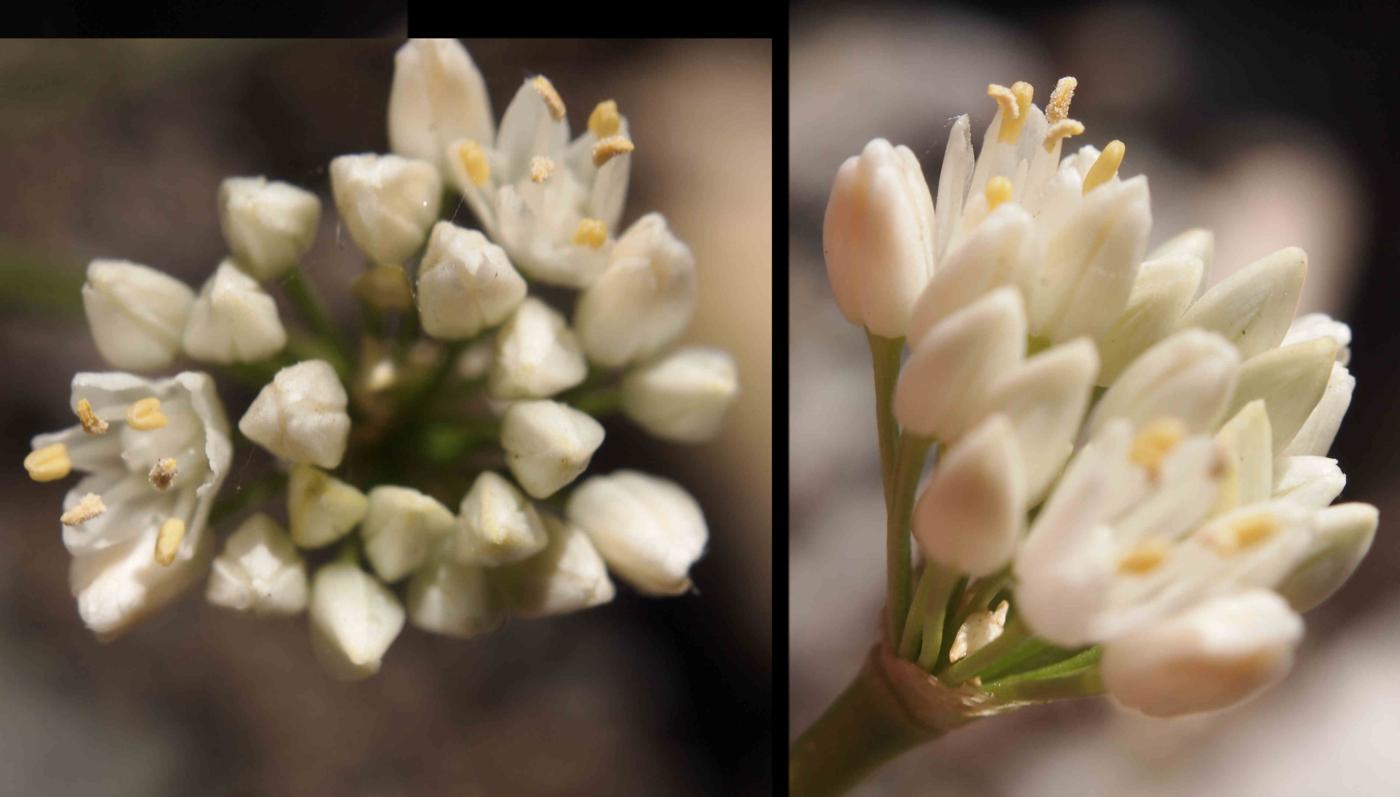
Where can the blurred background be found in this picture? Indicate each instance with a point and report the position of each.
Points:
(1273, 127)
(116, 149)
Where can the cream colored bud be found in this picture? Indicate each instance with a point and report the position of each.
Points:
(548, 444)
(1249, 455)
(259, 570)
(1320, 325)
(465, 284)
(233, 320)
(1195, 242)
(1290, 380)
(682, 396)
(1320, 429)
(137, 314)
(401, 528)
(496, 525)
(354, 620)
(649, 530)
(437, 97)
(537, 355)
(268, 226)
(1190, 376)
(386, 202)
(322, 508)
(1313, 482)
(300, 415)
(1162, 292)
(1253, 307)
(567, 576)
(1344, 535)
(454, 599)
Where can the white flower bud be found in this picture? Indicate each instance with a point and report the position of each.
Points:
(137, 314)
(322, 508)
(1321, 325)
(1162, 292)
(1308, 481)
(268, 226)
(465, 284)
(259, 570)
(1208, 657)
(642, 301)
(537, 355)
(567, 576)
(386, 202)
(454, 599)
(1290, 380)
(548, 444)
(1320, 429)
(1195, 242)
(233, 320)
(496, 525)
(943, 386)
(683, 395)
(1253, 307)
(649, 530)
(437, 96)
(400, 529)
(969, 517)
(475, 362)
(300, 415)
(354, 619)
(1344, 535)
(1190, 375)
(1250, 458)
(878, 237)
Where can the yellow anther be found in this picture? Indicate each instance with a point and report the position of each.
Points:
(605, 120)
(551, 98)
(592, 233)
(1106, 166)
(540, 168)
(474, 162)
(91, 423)
(168, 540)
(145, 415)
(1246, 532)
(49, 463)
(1057, 110)
(86, 509)
(998, 190)
(1061, 130)
(1022, 92)
(163, 473)
(1005, 99)
(1146, 557)
(608, 148)
(1154, 442)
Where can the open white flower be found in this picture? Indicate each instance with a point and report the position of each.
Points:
(648, 529)
(567, 576)
(137, 314)
(259, 570)
(465, 284)
(136, 523)
(233, 320)
(300, 415)
(548, 444)
(401, 528)
(354, 620)
(268, 226)
(438, 96)
(386, 202)
(536, 355)
(496, 525)
(454, 599)
(682, 395)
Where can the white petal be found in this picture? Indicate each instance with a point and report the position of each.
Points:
(953, 181)
(259, 570)
(454, 599)
(1344, 535)
(387, 203)
(137, 314)
(528, 128)
(1195, 242)
(300, 415)
(1321, 325)
(649, 530)
(1290, 380)
(437, 96)
(1248, 439)
(537, 355)
(1190, 375)
(233, 320)
(1320, 429)
(1162, 292)
(548, 444)
(496, 525)
(1310, 481)
(401, 528)
(268, 226)
(465, 284)
(682, 396)
(354, 620)
(322, 508)
(567, 576)
(1253, 307)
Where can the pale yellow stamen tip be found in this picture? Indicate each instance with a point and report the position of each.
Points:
(592, 233)
(1058, 108)
(605, 120)
(91, 423)
(1005, 99)
(168, 540)
(163, 473)
(145, 415)
(88, 508)
(1021, 93)
(540, 168)
(474, 162)
(998, 190)
(1154, 442)
(1146, 557)
(49, 463)
(551, 98)
(1106, 166)
(608, 148)
(1245, 532)
(1063, 129)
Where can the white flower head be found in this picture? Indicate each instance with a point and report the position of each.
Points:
(259, 570)
(649, 530)
(643, 300)
(496, 525)
(465, 284)
(233, 320)
(536, 355)
(300, 415)
(153, 474)
(137, 314)
(567, 576)
(682, 395)
(401, 528)
(548, 444)
(354, 620)
(454, 599)
(386, 202)
(268, 226)
(437, 97)
(322, 508)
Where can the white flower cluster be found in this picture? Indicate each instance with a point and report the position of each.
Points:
(364, 559)
(1139, 459)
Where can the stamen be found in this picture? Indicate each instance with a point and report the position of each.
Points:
(91, 423)
(998, 190)
(605, 120)
(86, 509)
(1065, 128)
(1011, 130)
(1057, 110)
(145, 415)
(1244, 533)
(551, 98)
(474, 161)
(172, 532)
(163, 473)
(1105, 167)
(1154, 442)
(540, 168)
(610, 147)
(592, 233)
(1146, 557)
(1006, 101)
(49, 463)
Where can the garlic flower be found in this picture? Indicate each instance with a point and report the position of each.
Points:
(268, 226)
(137, 314)
(300, 415)
(259, 570)
(233, 320)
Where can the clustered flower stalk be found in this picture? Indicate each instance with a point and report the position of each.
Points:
(429, 468)
(1132, 494)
